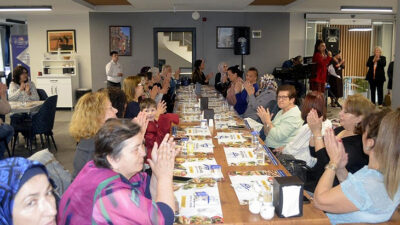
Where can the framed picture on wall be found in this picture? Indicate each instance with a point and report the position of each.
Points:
(225, 37)
(61, 39)
(121, 40)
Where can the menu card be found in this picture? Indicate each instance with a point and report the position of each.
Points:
(197, 168)
(248, 184)
(198, 204)
(224, 137)
(240, 156)
(198, 131)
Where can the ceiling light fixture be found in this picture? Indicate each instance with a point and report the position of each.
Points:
(365, 9)
(25, 8)
(361, 29)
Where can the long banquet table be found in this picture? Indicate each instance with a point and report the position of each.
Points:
(233, 212)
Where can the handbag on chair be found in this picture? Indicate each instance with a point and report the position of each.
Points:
(295, 166)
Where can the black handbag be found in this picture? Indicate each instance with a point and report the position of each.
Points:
(295, 166)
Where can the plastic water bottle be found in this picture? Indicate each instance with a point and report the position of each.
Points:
(254, 139)
(190, 147)
(260, 156)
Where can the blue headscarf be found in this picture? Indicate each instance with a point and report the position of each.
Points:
(11, 172)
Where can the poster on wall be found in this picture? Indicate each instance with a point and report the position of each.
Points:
(225, 37)
(61, 39)
(121, 40)
(20, 54)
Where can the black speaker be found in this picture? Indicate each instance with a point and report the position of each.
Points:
(331, 38)
(242, 40)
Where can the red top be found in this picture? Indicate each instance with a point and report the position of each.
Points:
(321, 67)
(156, 130)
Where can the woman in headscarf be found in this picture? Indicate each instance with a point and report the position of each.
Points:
(26, 193)
(221, 79)
(262, 97)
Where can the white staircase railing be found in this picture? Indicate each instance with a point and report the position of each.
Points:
(175, 47)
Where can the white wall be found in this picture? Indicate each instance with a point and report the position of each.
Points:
(37, 27)
(266, 53)
(297, 34)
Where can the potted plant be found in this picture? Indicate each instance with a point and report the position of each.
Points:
(362, 87)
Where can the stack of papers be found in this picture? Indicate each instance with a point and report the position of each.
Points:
(197, 168)
(199, 205)
(249, 184)
(224, 137)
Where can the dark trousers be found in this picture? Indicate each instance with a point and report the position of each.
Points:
(376, 85)
(6, 133)
(112, 84)
(390, 83)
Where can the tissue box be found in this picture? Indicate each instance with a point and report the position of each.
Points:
(288, 196)
(208, 114)
(203, 103)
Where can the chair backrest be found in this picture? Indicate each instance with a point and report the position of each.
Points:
(43, 121)
(42, 94)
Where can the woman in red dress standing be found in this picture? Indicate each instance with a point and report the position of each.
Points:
(321, 58)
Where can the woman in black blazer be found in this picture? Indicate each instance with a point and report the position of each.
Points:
(376, 74)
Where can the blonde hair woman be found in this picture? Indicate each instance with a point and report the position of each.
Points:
(370, 195)
(376, 74)
(133, 88)
(91, 112)
(355, 109)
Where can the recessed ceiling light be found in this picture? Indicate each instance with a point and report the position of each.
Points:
(365, 9)
(361, 29)
(25, 8)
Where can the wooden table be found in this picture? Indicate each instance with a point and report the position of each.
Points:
(28, 107)
(234, 213)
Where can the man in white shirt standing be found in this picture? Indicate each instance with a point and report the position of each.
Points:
(114, 71)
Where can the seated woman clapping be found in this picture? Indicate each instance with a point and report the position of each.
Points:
(111, 189)
(355, 108)
(372, 193)
(285, 125)
(21, 88)
(313, 103)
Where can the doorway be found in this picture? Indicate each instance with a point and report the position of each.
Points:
(175, 47)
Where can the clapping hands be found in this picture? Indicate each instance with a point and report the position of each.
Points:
(238, 85)
(264, 115)
(154, 92)
(142, 120)
(335, 149)
(163, 158)
(161, 109)
(314, 122)
(249, 88)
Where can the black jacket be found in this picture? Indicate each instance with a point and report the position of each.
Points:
(380, 69)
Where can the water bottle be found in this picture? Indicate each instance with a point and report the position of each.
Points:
(260, 157)
(254, 139)
(190, 147)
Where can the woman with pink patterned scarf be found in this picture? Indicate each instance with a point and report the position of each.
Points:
(111, 189)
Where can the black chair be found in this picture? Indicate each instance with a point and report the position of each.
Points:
(7, 148)
(42, 94)
(41, 123)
